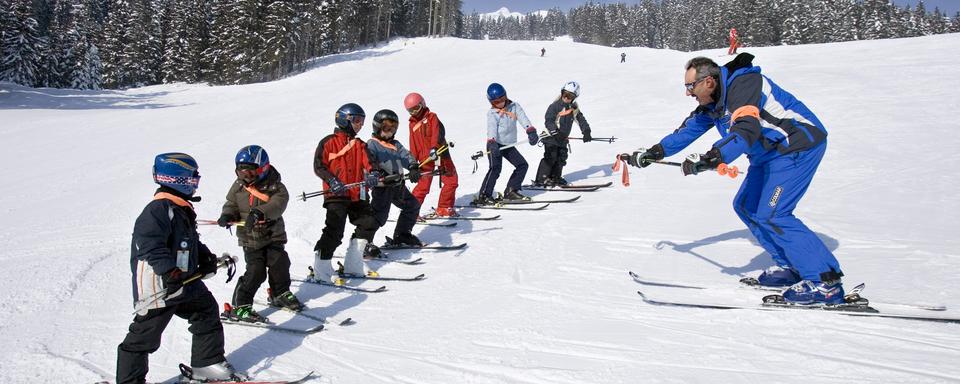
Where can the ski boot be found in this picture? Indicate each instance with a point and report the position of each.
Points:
(221, 371)
(446, 212)
(483, 200)
(372, 251)
(514, 195)
(353, 264)
(808, 292)
(778, 276)
(286, 300)
(244, 313)
(560, 181)
(406, 239)
(323, 270)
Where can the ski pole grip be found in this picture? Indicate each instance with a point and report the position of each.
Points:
(476, 156)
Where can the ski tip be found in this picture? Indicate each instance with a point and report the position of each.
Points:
(420, 276)
(383, 288)
(347, 321)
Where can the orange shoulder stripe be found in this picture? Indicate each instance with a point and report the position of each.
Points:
(746, 110)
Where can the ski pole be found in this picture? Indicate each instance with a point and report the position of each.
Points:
(479, 154)
(723, 169)
(441, 150)
(230, 262)
(214, 222)
(306, 195)
(604, 139)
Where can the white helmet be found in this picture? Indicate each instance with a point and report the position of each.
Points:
(572, 87)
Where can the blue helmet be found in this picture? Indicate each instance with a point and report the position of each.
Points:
(346, 114)
(178, 171)
(254, 161)
(495, 91)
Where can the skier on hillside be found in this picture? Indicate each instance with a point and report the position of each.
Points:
(259, 198)
(559, 121)
(165, 252)
(427, 136)
(734, 42)
(543, 51)
(502, 119)
(784, 142)
(386, 152)
(341, 159)
(623, 57)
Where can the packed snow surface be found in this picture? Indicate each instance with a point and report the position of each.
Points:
(536, 297)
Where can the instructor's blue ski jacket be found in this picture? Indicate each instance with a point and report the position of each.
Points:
(753, 116)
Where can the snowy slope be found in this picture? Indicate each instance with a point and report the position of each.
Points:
(537, 297)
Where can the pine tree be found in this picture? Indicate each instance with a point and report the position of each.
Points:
(21, 48)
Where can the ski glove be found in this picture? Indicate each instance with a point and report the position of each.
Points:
(532, 135)
(433, 154)
(643, 157)
(493, 148)
(253, 218)
(414, 174)
(587, 137)
(696, 163)
(208, 267)
(336, 186)
(172, 280)
(226, 220)
(372, 179)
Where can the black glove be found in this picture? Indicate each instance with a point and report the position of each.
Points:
(253, 218)
(697, 163)
(336, 186)
(226, 220)
(414, 174)
(643, 157)
(208, 266)
(173, 280)
(586, 137)
(372, 179)
(493, 148)
(532, 135)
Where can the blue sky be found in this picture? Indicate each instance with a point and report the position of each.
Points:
(523, 6)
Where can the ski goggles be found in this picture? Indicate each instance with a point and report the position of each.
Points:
(249, 171)
(568, 95)
(389, 125)
(499, 100)
(415, 110)
(190, 181)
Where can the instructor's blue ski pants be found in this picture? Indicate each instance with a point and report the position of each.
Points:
(765, 202)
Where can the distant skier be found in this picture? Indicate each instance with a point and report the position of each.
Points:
(734, 42)
(559, 122)
(258, 197)
(543, 51)
(427, 136)
(166, 250)
(386, 152)
(341, 159)
(784, 142)
(502, 119)
(623, 57)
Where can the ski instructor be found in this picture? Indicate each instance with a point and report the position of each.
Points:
(784, 142)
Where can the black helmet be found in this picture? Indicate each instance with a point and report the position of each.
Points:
(380, 116)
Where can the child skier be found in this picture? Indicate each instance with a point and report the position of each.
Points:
(502, 119)
(165, 252)
(388, 155)
(427, 135)
(341, 159)
(259, 197)
(559, 121)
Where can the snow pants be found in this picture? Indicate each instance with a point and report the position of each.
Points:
(496, 165)
(270, 262)
(338, 211)
(403, 199)
(143, 338)
(448, 181)
(765, 203)
(551, 166)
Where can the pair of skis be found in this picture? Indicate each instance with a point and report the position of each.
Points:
(568, 187)
(521, 205)
(854, 304)
(187, 378)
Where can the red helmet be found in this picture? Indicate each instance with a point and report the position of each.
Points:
(413, 102)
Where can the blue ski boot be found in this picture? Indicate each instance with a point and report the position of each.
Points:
(777, 276)
(809, 292)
